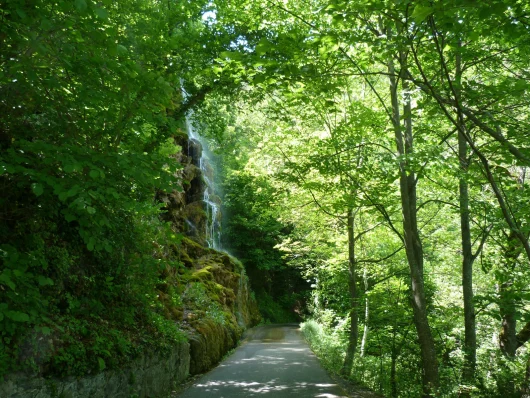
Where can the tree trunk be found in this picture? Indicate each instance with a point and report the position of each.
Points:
(413, 246)
(507, 308)
(393, 364)
(507, 336)
(470, 336)
(354, 302)
(525, 389)
(366, 313)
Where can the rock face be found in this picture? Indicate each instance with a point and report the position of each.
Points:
(149, 376)
(218, 304)
(194, 211)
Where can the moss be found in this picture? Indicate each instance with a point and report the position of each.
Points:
(193, 249)
(201, 275)
(211, 342)
(185, 259)
(219, 288)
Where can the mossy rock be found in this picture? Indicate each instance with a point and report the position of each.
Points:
(185, 258)
(210, 342)
(201, 275)
(180, 138)
(193, 249)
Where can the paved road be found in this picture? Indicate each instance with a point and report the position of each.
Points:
(273, 363)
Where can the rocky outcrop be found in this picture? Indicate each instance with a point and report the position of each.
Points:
(151, 375)
(187, 209)
(216, 321)
(218, 304)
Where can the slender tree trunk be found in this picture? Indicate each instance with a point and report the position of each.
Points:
(507, 337)
(354, 302)
(508, 334)
(525, 390)
(393, 364)
(470, 336)
(366, 313)
(507, 308)
(413, 246)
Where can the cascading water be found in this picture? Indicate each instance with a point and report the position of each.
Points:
(210, 199)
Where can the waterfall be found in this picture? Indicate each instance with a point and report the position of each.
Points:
(210, 199)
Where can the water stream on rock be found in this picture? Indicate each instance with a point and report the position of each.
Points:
(210, 199)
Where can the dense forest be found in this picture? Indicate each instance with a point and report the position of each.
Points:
(371, 158)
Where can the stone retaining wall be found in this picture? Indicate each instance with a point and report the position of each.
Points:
(150, 376)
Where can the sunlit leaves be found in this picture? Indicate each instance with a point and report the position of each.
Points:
(421, 12)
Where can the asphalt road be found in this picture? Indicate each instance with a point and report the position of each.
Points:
(273, 362)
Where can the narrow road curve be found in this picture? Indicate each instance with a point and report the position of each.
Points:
(273, 362)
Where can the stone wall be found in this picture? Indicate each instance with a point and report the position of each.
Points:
(150, 376)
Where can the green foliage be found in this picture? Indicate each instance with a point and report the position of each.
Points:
(90, 105)
(252, 233)
(277, 309)
(327, 343)
(322, 132)
(90, 101)
(196, 297)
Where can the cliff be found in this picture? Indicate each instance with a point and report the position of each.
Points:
(203, 294)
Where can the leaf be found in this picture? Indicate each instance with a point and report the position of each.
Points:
(91, 244)
(231, 55)
(6, 280)
(17, 316)
(73, 191)
(94, 173)
(43, 281)
(421, 13)
(45, 330)
(90, 210)
(37, 189)
(101, 13)
(259, 78)
(69, 168)
(80, 5)
(101, 363)
(21, 13)
(46, 24)
(70, 217)
(263, 46)
(113, 192)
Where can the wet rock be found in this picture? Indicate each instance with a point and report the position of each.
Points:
(194, 151)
